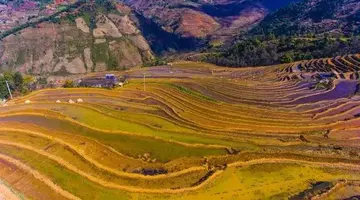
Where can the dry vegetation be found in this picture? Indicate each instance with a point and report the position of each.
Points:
(196, 132)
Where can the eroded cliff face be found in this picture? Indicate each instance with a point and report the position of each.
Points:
(74, 47)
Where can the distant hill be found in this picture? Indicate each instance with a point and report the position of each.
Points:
(313, 16)
(92, 36)
(100, 35)
(300, 31)
(171, 26)
(215, 20)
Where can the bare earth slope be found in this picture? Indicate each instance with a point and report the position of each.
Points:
(78, 43)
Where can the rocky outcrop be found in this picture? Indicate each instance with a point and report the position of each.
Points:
(81, 24)
(124, 24)
(105, 27)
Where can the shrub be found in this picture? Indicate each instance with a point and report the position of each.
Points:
(69, 84)
(286, 58)
(155, 62)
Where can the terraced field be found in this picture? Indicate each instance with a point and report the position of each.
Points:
(192, 131)
(341, 67)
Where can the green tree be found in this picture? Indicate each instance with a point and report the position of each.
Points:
(271, 36)
(9, 77)
(4, 93)
(18, 82)
(287, 58)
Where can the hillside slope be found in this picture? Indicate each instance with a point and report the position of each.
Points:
(218, 19)
(301, 31)
(174, 25)
(314, 16)
(92, 37)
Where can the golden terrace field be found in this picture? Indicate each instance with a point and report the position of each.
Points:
(197, 132)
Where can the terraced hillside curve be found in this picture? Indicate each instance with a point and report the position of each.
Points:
(190, 131)
(340, 67)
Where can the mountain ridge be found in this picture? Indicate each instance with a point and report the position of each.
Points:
(168, 27)
(220, 19)
(310, 16)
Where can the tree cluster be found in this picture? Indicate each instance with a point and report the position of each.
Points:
(17, 83)
(285, 49)
(155, 62)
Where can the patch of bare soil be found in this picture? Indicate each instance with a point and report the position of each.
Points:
(88, 61)
(140, 42)
(75, 66)
(99, 32)
(81, 24)
(128, 55)
(124, 24)
(100, 41)
(246, 19)
(106, 27)
(43, 64)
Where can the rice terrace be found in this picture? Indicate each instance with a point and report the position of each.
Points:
(189, 130)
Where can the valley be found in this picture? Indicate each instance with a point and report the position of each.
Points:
(170, 99)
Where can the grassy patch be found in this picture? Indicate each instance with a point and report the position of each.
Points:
(87, 18)
(100, 52)
(21, 58)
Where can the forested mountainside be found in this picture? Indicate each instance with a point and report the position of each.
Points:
(303, 30)
(315, 17)
(91, 36)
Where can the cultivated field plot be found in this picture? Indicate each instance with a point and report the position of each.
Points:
(186, 131)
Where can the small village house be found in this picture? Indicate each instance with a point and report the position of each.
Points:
(109, 81)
